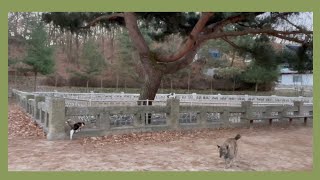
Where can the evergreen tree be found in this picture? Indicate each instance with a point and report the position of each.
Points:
(39, 53)
(92, 62)
(299, 58)
(232, 73)
(259, 75)
(127, 58)
(195, 28)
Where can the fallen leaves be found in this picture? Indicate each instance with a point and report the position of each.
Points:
(149, 137)
(21, 124)
(167, 136)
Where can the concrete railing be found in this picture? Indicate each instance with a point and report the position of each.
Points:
(185, 99)
(51, 113)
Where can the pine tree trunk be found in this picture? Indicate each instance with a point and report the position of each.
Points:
(85, 37)
(256, 89)
(16, 24)
(189, 81)
(103, 44)
(63, 42)
(55, 80)
(70, 49)
(233, 57)
(112, 50)
(151, 85)
(117, 85)
(87, 86)
(77, 50)
(15, 79)
(35, 81)
(234, 85)
(26, 26)
(162, 90)
(211, 85)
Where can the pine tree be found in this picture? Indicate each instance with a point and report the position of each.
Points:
(194, 27)
(92, 62)
(39, 53)
(258, 75)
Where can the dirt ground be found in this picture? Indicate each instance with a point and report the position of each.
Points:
(260, 149)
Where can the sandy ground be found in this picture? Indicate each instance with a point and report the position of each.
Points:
(260, 149)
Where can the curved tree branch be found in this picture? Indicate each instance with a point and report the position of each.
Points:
(287, 20)
(272, 32)
(173, 67)
(290, 38)
(292, 24)
(135, 34)
(234, 45)
(230, 20)
(104, 17)
(191, 41)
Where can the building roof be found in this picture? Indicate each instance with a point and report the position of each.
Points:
(287, 71)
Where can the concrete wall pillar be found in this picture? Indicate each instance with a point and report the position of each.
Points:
(56, 119)
(27, 105)
(174, 112)
(105, 120)
(247, 107)
(225, 117)
(41, 117)
(301, 109)
(248, 113)
(36, 111)
(203, 118)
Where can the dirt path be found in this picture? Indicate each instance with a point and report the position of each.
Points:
(260, 149)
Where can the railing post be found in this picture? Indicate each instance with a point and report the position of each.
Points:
(225, 117)
(301, 109)
(268, 113)
(174, 112)
(138, 120)
(41, 118)
(28, 107)
(55, 94)
(203, 118)
(248, 113)
(194, 96)
(284, 111)
(56, 119)
(105, 120)
(122, 95)
(37, 99)
(299, 105)
(91, 95)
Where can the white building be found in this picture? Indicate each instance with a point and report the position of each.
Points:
(292, 78)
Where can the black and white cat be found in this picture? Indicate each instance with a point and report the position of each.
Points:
(76, 127)
(171, 96)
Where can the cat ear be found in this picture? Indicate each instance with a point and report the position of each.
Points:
(218, 146)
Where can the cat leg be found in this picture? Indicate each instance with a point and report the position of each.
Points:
(228, 163)
(232, 162)
(71, 133)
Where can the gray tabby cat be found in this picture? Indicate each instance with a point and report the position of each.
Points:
(229, 150)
